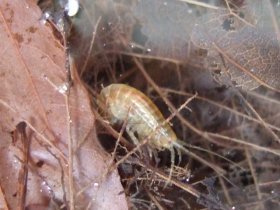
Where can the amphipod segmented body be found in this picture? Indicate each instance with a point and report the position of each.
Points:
(123, 103)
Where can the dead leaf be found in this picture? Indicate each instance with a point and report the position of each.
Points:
(32, 77)
(248, 53)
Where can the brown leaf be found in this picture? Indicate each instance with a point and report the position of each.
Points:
(32, 77)
(249, 53)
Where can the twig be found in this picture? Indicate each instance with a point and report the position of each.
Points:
(23, 173)
(201, 4)
(91, 46)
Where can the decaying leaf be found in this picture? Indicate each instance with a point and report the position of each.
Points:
(33, 90)
(247, 52)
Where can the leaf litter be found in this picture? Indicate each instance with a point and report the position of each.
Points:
(32, 70)
(181, 48)
(226, 51)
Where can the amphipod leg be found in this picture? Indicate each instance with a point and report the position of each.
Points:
(131, 135)
(172, 152)
(153, 153)
(179, 154)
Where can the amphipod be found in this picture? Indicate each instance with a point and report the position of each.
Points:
(122, 103)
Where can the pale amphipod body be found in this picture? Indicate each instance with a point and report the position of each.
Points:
(127, 104)
(122, 103)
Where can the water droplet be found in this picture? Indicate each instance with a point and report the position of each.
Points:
(45, 17)
(63, 88)
(72, 7)
(190, 11)
(60, 24)
(43, 21)
(96, 185)
(252, 70)
(233, 208)
(49, 189)
(165, 3)
(149, 50)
